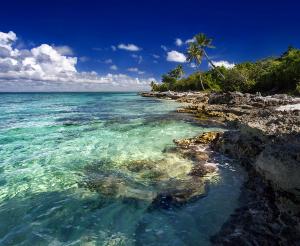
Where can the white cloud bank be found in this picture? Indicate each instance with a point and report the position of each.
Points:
(129, 47)
(46, 67)
(64, 50)
(225, 64)
(175, 56)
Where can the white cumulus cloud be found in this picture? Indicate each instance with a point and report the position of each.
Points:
(64, 50)
(178, 42)
(175, 56)
(225, 64)
(129, 47)
(46, 68)
(113, 67)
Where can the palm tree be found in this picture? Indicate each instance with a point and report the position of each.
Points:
(177, 72)
(180, 70)
(203, 42)
(195, 54)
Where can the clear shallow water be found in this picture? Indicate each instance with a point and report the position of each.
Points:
(57, 149)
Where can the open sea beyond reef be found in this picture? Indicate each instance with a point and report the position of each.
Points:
(70, 174)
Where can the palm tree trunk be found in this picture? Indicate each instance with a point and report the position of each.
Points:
(213, 65)
(200, 76)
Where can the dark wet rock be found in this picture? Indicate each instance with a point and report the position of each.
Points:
(179, 193)
(237, 98)
(198, 150)
(145, 180)
(258, 221)
(202, 169)
(267, 143)
(271, 149)
(207, 137)
(172, 199)
(228, 98)
(204, 138)
(201, 156)
(265, 139)
(117, 186)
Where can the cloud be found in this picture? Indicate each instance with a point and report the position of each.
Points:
(156, 56)
(178, 42)
(225, 64)
(129, 47)
(64, 50)
(193, 65)
(108, 61)
(164, 47)
(175, 56)
(84, 58)
(6, 39)
(113, 67)
(43, 68)
(189, 41)
(135, 70)
(114, 48)
(88, 82)
(139, 58)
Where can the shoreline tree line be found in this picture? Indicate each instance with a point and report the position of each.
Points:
(270, 75)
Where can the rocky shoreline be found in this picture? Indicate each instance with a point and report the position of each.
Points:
(264, 136)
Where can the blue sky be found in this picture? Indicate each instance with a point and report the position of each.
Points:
(87, 30)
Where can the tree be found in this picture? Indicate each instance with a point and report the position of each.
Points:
(154, 86)
(203, 42)
(172, 76)
(195, 54)
(177, 72)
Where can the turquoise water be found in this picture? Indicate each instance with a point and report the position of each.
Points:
(70, 172)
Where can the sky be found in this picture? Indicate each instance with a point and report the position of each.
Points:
(75, 45)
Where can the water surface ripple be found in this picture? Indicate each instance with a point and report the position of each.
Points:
(71, 174)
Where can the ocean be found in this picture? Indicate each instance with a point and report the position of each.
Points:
(84, 168)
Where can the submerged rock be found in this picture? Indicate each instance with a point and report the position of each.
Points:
(179, 193)
(140, 165)
(198, 149)
(117, 187)
(148, 179)
(200, 170)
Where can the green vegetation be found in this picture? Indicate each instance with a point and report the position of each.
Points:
(270, 75)
(196, 52)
